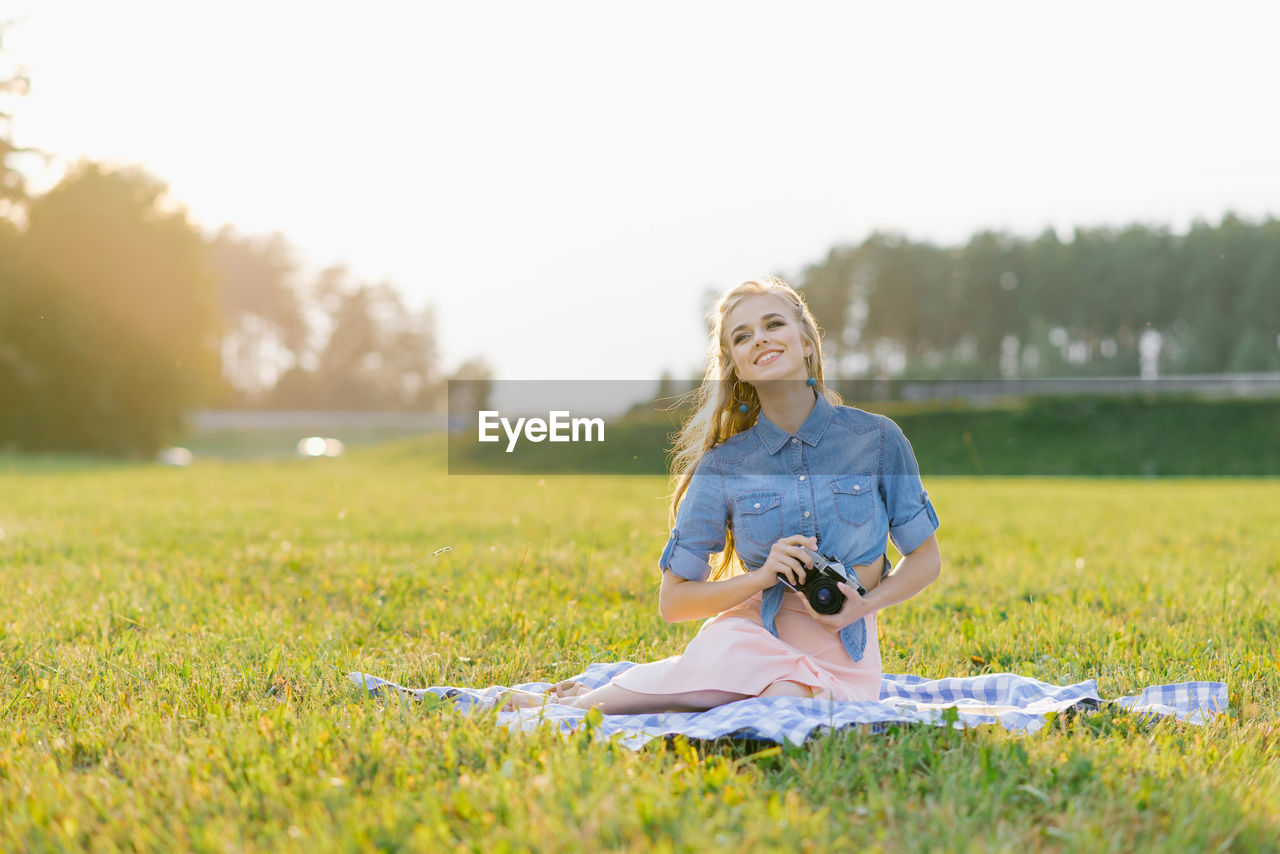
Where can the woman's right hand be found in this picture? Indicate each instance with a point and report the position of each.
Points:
(787, 562)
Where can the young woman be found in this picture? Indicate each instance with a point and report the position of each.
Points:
(769, 463)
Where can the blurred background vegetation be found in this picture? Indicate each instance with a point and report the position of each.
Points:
(1108, 302)
(119, 317)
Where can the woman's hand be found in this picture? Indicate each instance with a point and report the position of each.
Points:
(855, 608)
(786, 562)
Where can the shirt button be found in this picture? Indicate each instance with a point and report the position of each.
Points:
(802, 478)
(855, 488)
(757, 505)
(794, 440)
(806, 514)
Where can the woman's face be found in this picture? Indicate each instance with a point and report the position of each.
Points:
(764, 340)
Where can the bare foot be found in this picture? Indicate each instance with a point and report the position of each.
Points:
(517, 699)
(561, 692)
(566, 689)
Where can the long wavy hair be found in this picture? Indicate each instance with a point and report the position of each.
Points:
(716, 403)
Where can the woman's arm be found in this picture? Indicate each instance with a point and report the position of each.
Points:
(916, 571)
(681, 599)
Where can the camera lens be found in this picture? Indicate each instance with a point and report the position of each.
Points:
(825, 597)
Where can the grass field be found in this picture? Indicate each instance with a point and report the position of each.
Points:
(164, 685)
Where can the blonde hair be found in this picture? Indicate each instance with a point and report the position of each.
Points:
(716, 402)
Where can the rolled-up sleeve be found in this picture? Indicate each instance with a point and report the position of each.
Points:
(701, 520)
(912, 519)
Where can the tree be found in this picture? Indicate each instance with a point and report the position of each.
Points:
(469, 388)
(111, 324)
(13, 185)
(377, 354)
(265, 332)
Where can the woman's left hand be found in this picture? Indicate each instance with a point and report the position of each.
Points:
(855, 608)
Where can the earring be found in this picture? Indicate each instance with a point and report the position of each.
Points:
(812, 382)
(742, 407)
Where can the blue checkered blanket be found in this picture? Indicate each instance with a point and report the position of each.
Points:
(1014, 702)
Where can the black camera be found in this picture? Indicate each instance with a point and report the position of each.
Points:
(819, 585)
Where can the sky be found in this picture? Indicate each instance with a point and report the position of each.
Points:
(564, 182)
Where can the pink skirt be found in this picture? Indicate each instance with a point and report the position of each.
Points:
(734, 652)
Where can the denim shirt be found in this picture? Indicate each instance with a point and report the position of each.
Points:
(846, 477)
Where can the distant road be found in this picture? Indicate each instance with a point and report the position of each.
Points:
(314, 421)
(1209, 385)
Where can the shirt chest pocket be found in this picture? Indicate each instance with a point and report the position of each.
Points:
(854, 496)
(757, 518)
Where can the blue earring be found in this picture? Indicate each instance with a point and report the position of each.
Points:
(812, 381)
(742, 407)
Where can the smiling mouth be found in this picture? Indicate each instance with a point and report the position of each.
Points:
(769, 357)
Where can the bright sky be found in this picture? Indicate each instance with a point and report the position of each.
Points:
(562, 181)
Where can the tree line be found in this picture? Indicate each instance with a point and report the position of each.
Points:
(1138, 300)
(118, 316)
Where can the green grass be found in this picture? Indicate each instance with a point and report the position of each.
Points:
(1098, 436)
(163, 686)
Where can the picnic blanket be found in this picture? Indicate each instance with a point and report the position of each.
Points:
(1018, 703)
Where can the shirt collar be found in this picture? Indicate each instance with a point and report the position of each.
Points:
(774, 437)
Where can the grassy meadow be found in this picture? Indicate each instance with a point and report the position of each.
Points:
(168, 680)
